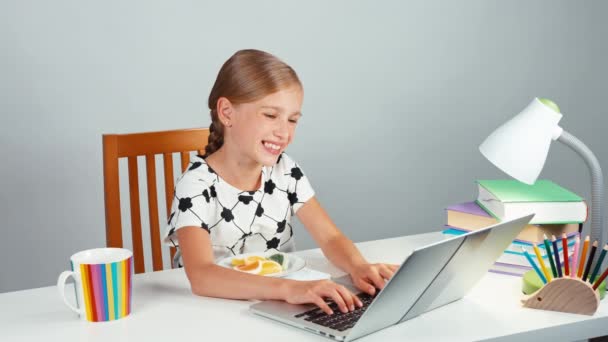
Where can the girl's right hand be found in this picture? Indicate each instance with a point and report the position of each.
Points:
(303, 292)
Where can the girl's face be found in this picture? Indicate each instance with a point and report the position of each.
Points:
(263, 129)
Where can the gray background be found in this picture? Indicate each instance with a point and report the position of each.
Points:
(398, 96)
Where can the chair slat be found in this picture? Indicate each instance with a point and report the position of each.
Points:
(172, 251)
(168, 167)
(185, 156)
(112, 191)
(138, 249)
(157, 256)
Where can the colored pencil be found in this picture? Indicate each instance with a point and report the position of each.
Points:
(600, 279)
(599, 264)
(590, 260)
(558, 264)
(565, 250)
(581, 259)
(550, 257)
(577, 243)
(541, 263)
(540, 274)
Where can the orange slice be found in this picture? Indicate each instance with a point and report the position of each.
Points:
(253, 268)
(270, 267)
(253, 258)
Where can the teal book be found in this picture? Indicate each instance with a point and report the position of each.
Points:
(507, 199)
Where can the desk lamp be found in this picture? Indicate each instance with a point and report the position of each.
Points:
(519, 148)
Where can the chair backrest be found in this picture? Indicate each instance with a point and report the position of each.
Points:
(130, 146)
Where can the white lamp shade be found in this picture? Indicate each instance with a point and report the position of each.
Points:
(519, 147)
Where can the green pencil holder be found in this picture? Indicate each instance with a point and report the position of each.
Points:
(531, 283)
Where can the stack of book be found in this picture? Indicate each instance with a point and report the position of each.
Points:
(557, 211)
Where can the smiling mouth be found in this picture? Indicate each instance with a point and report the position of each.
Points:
(272, 148)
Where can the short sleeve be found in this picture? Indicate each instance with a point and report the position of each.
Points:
(300, 190)
(190, 206)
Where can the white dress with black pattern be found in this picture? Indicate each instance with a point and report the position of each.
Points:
(239, 221)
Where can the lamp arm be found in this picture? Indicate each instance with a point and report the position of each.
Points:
(597, 184)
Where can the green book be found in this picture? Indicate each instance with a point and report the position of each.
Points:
(507, 199)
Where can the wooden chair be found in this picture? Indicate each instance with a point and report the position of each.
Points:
(116, 146)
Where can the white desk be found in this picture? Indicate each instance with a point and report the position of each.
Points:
(164, 309)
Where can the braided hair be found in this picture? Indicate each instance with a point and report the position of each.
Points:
(246, 76)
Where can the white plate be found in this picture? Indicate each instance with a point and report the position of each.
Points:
(294, 262)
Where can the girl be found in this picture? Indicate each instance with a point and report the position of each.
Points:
(239, 197)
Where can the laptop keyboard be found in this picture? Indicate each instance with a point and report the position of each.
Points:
(339, 320)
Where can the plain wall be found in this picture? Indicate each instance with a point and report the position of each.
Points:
(398, 97)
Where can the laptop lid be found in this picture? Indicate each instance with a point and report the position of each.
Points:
(476, 254)
(437, 274)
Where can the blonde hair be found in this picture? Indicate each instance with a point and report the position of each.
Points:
(246, 76)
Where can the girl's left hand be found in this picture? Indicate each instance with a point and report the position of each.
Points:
(369, 277)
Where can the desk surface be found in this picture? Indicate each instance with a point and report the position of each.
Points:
(165, 309)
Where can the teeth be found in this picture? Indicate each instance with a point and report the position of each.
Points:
(271, 146)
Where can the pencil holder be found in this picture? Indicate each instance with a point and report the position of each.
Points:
(565, 295)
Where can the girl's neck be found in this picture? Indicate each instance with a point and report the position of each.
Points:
(241, 173)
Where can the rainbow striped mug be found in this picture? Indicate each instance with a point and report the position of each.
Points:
(102, 281)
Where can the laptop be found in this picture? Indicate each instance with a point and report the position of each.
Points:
(430, 277)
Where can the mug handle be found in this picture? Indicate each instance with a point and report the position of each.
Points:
(63, 277)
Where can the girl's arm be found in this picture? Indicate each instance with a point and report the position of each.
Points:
(208, 279)
(340, 250)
